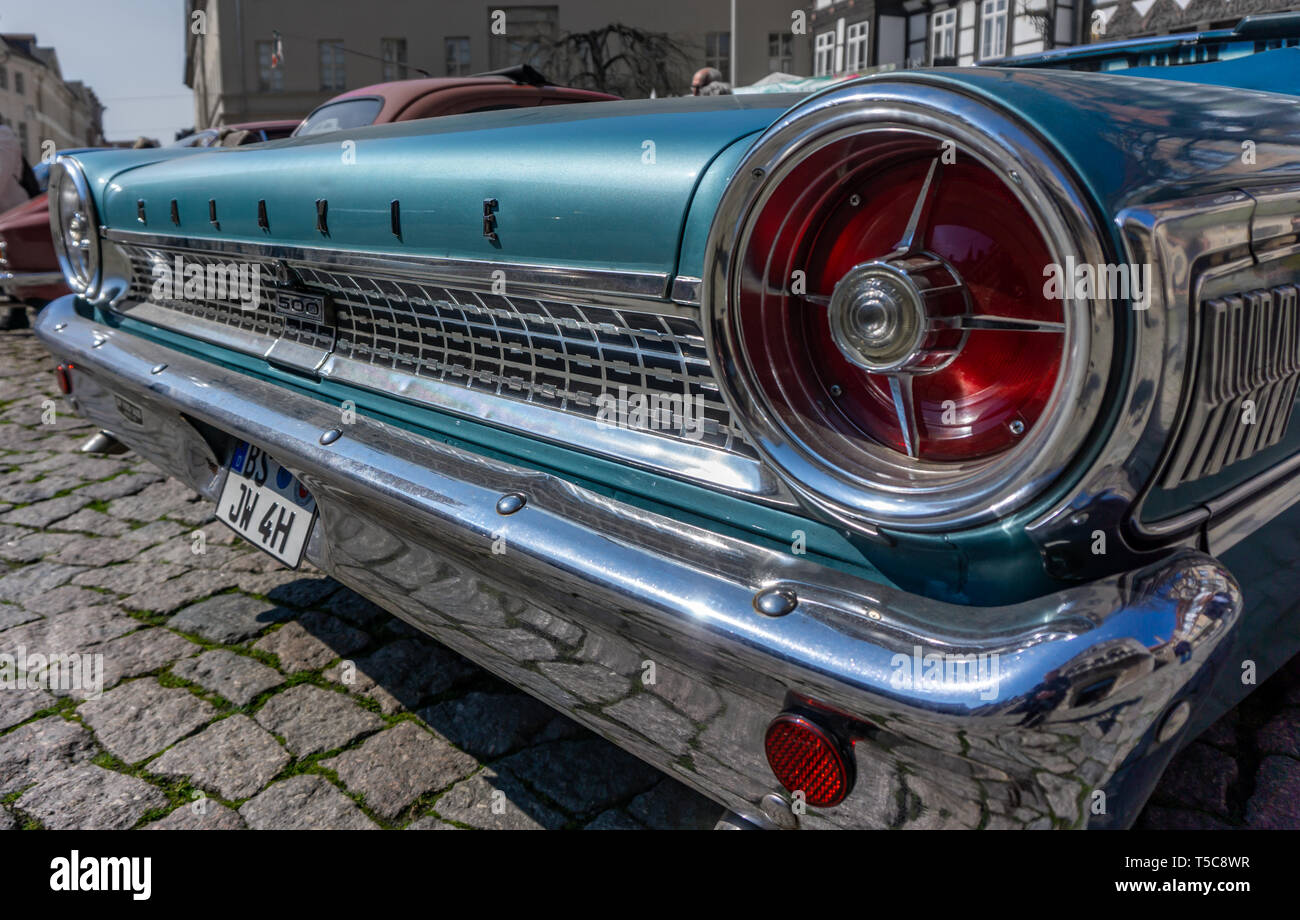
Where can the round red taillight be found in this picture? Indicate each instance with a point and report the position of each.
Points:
(806, 758)
(892, 292)
(883, 311)
(63, 378)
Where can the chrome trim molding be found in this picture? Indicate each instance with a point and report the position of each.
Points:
(1203, 250)
(592, 588)
(892, 489)
(1248, 359)
(1186, 242)
(20, 280)
(522, 278)
(686, 290)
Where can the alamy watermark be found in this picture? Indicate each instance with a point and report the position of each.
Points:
(946, 671)
(181, 280)
(82, 673)
(1085, 281)
(676, 412)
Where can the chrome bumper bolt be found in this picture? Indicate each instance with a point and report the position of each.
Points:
(330, 436)
(511, 502)
(158, 368)
(775, 602)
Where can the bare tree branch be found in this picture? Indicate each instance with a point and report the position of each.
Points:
(616, 58)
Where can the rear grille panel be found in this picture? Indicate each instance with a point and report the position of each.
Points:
(1247, 371)
(568, 357)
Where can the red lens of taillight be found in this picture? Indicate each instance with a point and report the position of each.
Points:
(63, 378)
(975, 392)
(806, 758)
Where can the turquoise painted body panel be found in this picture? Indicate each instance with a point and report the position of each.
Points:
(603, 185)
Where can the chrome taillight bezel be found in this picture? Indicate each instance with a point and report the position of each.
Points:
(886, 488)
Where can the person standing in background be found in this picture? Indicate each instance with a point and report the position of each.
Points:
(708, 82)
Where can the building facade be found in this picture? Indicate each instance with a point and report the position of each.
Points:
(1118, 19)
(241, 71)
(40, 105)
(861, 36)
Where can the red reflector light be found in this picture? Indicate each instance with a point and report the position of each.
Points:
(808, 759)
(63, 378)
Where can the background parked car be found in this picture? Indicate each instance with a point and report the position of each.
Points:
(29, 270)
(406, 100)
(251, 132)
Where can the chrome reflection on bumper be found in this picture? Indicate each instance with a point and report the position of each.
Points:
(16, 281)
(591, 591)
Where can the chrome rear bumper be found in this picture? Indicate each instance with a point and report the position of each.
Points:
(1073, 707)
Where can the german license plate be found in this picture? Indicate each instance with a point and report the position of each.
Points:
(266, 505)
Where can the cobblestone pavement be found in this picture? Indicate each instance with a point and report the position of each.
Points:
(241, 694)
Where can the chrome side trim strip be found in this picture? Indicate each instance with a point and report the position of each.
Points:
(197, 327)
(1249, 353)
(608, 285)
(698, 463)
(686, 290)
(19, 280)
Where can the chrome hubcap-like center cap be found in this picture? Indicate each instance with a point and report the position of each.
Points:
(877, 317)
(890, 317)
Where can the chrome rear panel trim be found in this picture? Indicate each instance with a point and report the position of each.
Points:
(522, 277)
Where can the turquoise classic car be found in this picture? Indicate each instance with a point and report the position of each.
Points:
(919, 452)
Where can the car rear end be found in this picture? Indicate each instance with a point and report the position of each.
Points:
(620, 480)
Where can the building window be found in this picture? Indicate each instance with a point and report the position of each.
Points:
(943, 30)
(457, 56)
(993, 28)
(824, 54)
(717, 52)
(528, 32)
(18, 82)
(4, 77)
(333, 72)
(780, 52)
(22, 132)
(270, 79)
(394, 55)
(855, 47)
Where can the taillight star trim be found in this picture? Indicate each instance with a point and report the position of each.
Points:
(875, 307)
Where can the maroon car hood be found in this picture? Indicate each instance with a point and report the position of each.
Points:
(31, 213)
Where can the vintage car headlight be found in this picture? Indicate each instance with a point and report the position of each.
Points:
(74, 226)
(876, 303)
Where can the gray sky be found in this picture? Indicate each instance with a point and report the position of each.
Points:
(130, 52)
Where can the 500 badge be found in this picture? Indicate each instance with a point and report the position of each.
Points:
(300, 304)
